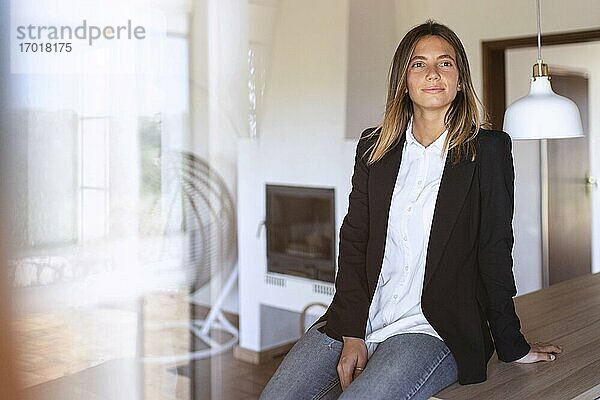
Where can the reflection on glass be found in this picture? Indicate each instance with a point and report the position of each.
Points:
(94, 146)
(100, 270)
(93, 216)
(123, 234)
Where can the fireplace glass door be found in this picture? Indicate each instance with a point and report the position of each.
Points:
(301, 231)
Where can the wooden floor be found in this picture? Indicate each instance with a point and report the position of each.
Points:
(231, 380)
(242, 380)
(94, 354)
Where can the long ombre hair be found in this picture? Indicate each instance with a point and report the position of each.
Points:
(462, 118)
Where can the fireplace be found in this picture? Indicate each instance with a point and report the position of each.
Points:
(301, 231)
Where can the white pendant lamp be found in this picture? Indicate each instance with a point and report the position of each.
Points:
(542, 114)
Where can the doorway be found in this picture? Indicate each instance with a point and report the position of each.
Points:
(570, 200)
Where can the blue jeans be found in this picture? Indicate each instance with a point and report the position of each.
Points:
(406, 366)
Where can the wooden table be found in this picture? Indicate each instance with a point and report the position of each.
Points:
(567, 314)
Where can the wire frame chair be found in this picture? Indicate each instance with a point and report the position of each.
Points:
(199, 210)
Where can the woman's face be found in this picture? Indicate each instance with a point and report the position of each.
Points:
(432, 76)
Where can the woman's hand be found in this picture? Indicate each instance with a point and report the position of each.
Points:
(352, 360)
(540, 352)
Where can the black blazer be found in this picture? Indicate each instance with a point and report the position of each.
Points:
(469, 284)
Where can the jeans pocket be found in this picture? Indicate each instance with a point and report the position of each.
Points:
(334, 344)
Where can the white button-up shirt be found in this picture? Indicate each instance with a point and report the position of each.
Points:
(396, 305)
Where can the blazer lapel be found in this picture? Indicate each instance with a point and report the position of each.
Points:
(456, 180)
(382, 179)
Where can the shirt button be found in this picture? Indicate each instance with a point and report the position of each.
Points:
(406, 267)
(409, 209)
(419, 181)
(404, 238)
(395, 296)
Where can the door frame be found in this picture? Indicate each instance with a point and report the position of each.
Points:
(494, 74)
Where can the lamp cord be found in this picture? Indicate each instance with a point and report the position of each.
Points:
(539, 30)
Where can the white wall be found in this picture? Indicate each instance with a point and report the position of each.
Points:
(371, 46)
(307, 79)
(301, 142)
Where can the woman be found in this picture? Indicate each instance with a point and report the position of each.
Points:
(425, 265)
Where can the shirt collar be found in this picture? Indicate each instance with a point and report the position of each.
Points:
(438, 144)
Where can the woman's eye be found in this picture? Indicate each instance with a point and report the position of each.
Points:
(446, 64)
(417, 64)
